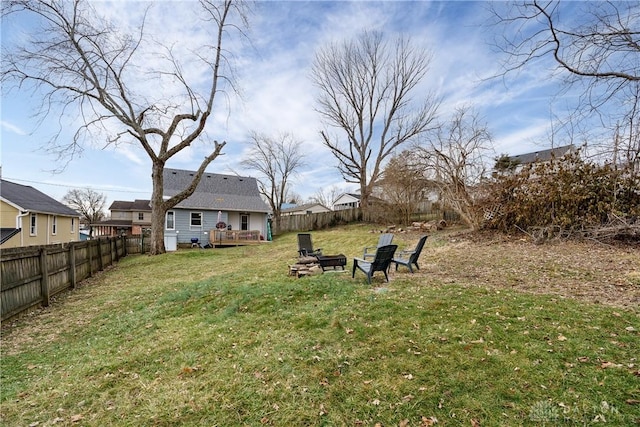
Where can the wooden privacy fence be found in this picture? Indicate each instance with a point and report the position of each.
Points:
(32, 275)
(317, 221)
(320, 220)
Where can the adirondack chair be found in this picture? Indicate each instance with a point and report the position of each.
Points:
(381, 262)
(305, 246)
(409, 258)
(384, 240)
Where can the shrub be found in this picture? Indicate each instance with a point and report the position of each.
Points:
(561, 198)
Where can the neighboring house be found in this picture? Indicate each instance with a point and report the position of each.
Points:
(541, 156)
(308, 208)
(346, 201)
(127, 218)
(229, 199)
(29, 217)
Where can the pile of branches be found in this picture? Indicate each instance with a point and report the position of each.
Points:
(566, 198)
(618, 229)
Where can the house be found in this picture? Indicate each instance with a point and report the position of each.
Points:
(127, 218)
(346, 201)
(224, 209)
(308, 208)
(29, 217)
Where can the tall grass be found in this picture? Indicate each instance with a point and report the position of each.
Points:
(224, 337)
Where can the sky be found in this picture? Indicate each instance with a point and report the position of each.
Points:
(276, 94)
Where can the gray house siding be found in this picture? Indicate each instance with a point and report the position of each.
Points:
(185, 232)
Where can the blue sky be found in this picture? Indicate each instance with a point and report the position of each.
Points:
(277, 94)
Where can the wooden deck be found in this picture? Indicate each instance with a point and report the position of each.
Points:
(234, 237)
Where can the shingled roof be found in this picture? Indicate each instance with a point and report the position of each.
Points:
(542, 155)
(215, 191)
(27, 198)
(137, 205)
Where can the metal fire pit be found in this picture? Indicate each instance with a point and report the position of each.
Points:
(333, 261)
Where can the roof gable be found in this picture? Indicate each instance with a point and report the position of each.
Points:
(347, 198)
(27, 198)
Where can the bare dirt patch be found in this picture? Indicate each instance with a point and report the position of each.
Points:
(586, 271)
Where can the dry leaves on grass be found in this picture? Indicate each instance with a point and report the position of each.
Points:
(585, 271)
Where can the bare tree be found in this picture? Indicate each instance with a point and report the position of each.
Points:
(596, 46)
(276, 159)
(458, 157)
(366, 88)
(404, 184)
(81, 62)
(326, 196)
(89, 203)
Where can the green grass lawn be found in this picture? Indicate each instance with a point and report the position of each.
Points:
(224, 337)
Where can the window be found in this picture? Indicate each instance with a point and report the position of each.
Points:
(170, 221)
(54, 225)
(73, 225)
(244, 222)
(140, 216)
(33, 228)
(196, 219)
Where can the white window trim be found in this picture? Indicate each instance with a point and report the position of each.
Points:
(173, 214)
(54, 225)
(191, 226)
(33, 224)
(73, 224)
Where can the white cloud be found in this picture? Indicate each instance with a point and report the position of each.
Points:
(9, 127)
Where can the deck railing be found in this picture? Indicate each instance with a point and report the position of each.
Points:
(234, 237)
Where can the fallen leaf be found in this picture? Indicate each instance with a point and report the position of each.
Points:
(606, 365)
(375, 402)
(562, 338)
(403, 423)
(428, 422)
(408, 376)
(76, 418)
(475, 423)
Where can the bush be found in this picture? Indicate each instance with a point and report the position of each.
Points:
(562, 197)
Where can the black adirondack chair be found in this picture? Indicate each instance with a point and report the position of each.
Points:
(381, 262)
(305, 246)
(384, 240)
(409, 258)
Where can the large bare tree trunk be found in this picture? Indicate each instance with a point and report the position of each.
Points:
(158, 210)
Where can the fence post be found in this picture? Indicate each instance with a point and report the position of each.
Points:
(72, 265)
(100, 266)
(90, 257)
(115, 245)
(44, 281)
